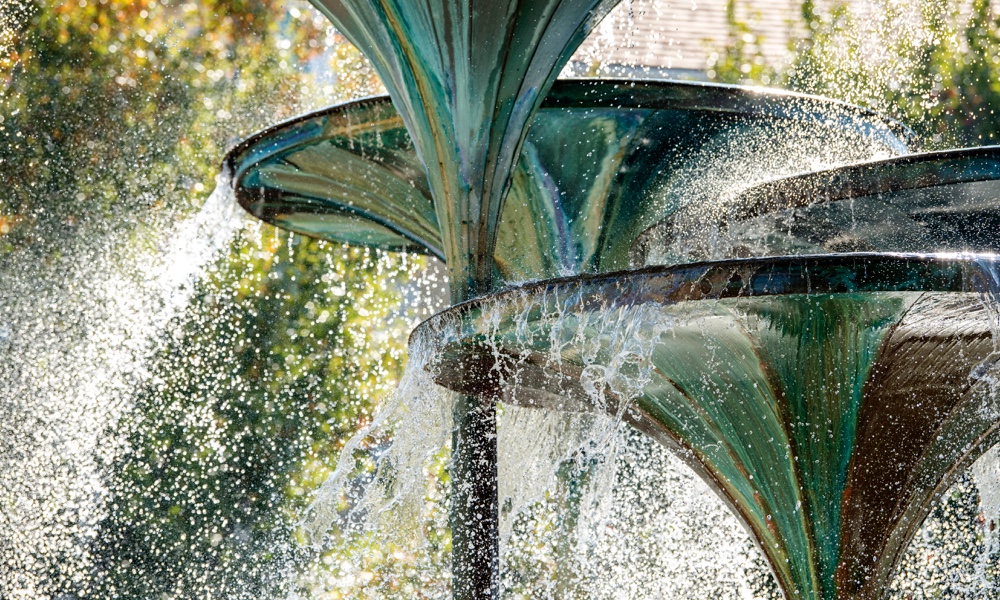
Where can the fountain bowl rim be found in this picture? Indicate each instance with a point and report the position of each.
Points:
(594, 280)
(576, 94)
(868, 178)
(230, 161)
(907, 172)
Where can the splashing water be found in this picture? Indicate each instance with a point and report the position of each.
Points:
(586, 501)
(193, 244)
(81, 332)
(700, 200)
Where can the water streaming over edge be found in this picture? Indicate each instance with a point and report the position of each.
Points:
(586, 502)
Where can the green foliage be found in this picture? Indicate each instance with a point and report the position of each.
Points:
(965, 90)
(112, 107)
(248, 405)
(740, 59)
(932, 64)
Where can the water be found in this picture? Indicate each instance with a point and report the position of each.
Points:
(138, 334)
(77, 361)
(143, 378)
(583, 495)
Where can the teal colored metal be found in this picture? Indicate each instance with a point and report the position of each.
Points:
(588, 182)
(789, 383)
(467, 78)
(827, 399)
(940, 201)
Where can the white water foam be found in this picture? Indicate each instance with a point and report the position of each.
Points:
(637, 513)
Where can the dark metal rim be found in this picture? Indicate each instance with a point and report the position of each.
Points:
(912, 171)
(623, 93)
(752, 277)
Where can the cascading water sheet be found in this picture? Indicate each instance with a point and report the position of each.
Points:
(779, 381)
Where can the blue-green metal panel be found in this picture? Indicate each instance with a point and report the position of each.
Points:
(588, 181)
(467, 77)
(826, 399)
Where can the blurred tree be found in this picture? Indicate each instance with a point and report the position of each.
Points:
(260, 383)
(113, 121)
(932, 64)
(740, 59)
(114, 107)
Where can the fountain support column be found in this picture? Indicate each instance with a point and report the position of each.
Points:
(467, 78)
(475, 516)
(474, 508)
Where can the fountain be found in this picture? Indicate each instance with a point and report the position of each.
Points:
(819, 348)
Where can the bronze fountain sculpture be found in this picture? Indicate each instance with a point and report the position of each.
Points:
(822, 343)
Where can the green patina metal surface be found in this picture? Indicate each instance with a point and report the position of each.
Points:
(801, 389)
(781, 381)
(602, 162)
(467, 78)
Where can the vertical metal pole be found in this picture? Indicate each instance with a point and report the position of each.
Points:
(474, 511)
(475, 517)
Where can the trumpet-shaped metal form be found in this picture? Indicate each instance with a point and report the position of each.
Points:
(602, 162)
(466, 78)
(594, 189)
(829, 400)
